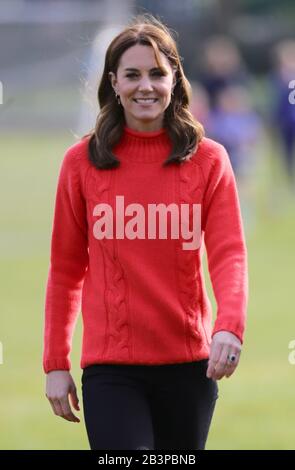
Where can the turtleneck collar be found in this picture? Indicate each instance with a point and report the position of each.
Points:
(143, 146)
(142, 134)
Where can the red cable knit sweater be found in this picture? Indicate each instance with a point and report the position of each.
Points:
(143, 300)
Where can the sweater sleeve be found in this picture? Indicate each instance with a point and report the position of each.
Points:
(225, 245)
(68, 264)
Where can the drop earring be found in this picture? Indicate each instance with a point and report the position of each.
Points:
(118, 98)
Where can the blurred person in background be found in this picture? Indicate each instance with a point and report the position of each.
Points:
(221, 66)
(232, 119)
(200, 103)
(235, 123)
(151, 357)
(284, 109)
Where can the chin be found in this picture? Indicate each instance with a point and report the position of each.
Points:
(148, 115)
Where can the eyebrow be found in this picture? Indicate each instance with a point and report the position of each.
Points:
(132, 68)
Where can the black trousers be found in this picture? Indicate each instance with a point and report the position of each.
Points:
(155, 407)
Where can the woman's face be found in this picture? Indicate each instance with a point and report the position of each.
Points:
(138, 76)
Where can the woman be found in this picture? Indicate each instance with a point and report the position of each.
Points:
(149, 365)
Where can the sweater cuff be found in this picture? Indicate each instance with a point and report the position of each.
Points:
(231, 327)
(60, 363)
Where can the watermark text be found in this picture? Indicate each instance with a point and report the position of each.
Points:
(292, 93)
(181, 220)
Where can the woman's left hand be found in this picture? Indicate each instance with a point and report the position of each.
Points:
(224, 347)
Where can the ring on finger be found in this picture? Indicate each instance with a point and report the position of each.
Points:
(231, 359)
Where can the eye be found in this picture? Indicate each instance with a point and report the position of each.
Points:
(157, 73)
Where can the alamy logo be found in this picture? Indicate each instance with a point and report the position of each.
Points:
(292, 93)
(135, 227)
(291, 357)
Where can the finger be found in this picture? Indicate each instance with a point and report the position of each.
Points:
(214, 358)
(56, 406)
(52, 406)
(67, 412)
(231, 366)
(74, 398)
(220, 367)
(229, 371)
(59, 408)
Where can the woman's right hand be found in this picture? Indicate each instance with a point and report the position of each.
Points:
(59, 385)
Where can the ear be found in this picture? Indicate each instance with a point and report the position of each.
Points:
(174, 78)
(113, 79)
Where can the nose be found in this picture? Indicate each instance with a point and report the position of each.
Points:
(145, 84)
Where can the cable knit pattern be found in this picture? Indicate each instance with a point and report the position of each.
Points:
(187, 268)
(117, 333)
(143, 299)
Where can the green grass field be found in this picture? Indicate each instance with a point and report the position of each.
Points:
(255, 409)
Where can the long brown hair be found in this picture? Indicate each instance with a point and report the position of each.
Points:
(182, 128)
